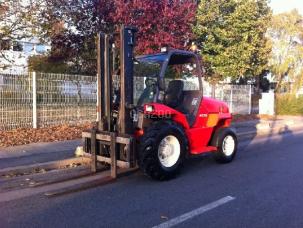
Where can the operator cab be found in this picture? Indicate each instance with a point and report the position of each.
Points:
(172, 78)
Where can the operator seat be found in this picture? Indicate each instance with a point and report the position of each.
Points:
(148, 92)
(174, 93)
(183, 101)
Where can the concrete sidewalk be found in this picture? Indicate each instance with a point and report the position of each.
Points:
(268, 127)
(45, 152)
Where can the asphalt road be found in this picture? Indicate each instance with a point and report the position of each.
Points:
(263, 188)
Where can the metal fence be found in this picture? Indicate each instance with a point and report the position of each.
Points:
(15, 101)
(238, 97)
(39, 100)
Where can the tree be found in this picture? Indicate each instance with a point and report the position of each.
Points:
(165, 23)
(71, 27)
(18, 20)
(160, 23)
(231, 36)
(286, 33)
(45, 64)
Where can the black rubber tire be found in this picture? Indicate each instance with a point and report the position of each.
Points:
(217, 141)
(148, 159)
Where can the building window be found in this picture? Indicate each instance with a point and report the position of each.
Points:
(5, 45)
(17, 46)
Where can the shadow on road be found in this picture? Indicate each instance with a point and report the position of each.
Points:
(263, 133)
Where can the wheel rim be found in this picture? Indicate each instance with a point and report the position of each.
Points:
(169, 151)
(228, 145)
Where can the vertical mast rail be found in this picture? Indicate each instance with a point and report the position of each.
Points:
(100, 80)
(127, 35)
(108, 84)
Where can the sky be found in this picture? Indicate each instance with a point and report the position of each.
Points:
(280, 6)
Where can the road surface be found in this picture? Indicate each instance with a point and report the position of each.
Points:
(263, 187)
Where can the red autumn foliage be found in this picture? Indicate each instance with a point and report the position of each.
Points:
(160, 23)
(165, 23)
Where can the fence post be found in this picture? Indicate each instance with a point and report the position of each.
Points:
(231, 99)
(78, 83)
(34, 91)
(213, 90)
(98, 102)
(249, 101)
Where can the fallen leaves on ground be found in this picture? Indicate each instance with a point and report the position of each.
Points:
(46, 134)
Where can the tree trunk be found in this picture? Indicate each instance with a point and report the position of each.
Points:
(278, 86)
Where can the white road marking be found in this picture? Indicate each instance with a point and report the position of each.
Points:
(194, 213)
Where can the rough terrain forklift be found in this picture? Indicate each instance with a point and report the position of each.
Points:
(151, 110)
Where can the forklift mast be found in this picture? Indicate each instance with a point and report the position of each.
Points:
(112, 141)
(114, 64)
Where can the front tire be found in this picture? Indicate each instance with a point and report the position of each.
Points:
(162, 149)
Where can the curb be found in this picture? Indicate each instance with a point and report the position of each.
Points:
(263, 124)
(28, 169)
(269, 131)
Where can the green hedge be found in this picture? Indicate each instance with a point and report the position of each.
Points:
(289, 104)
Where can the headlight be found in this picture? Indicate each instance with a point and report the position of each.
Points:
(149, 108)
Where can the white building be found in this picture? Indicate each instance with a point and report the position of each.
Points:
(14, 54)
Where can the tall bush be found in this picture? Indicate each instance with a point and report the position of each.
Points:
(289, 104)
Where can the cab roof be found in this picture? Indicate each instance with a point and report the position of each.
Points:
(177, 56)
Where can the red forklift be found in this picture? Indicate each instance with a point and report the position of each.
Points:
(151, 110)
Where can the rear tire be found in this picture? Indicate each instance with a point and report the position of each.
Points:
(226, 141)
(162, 149)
